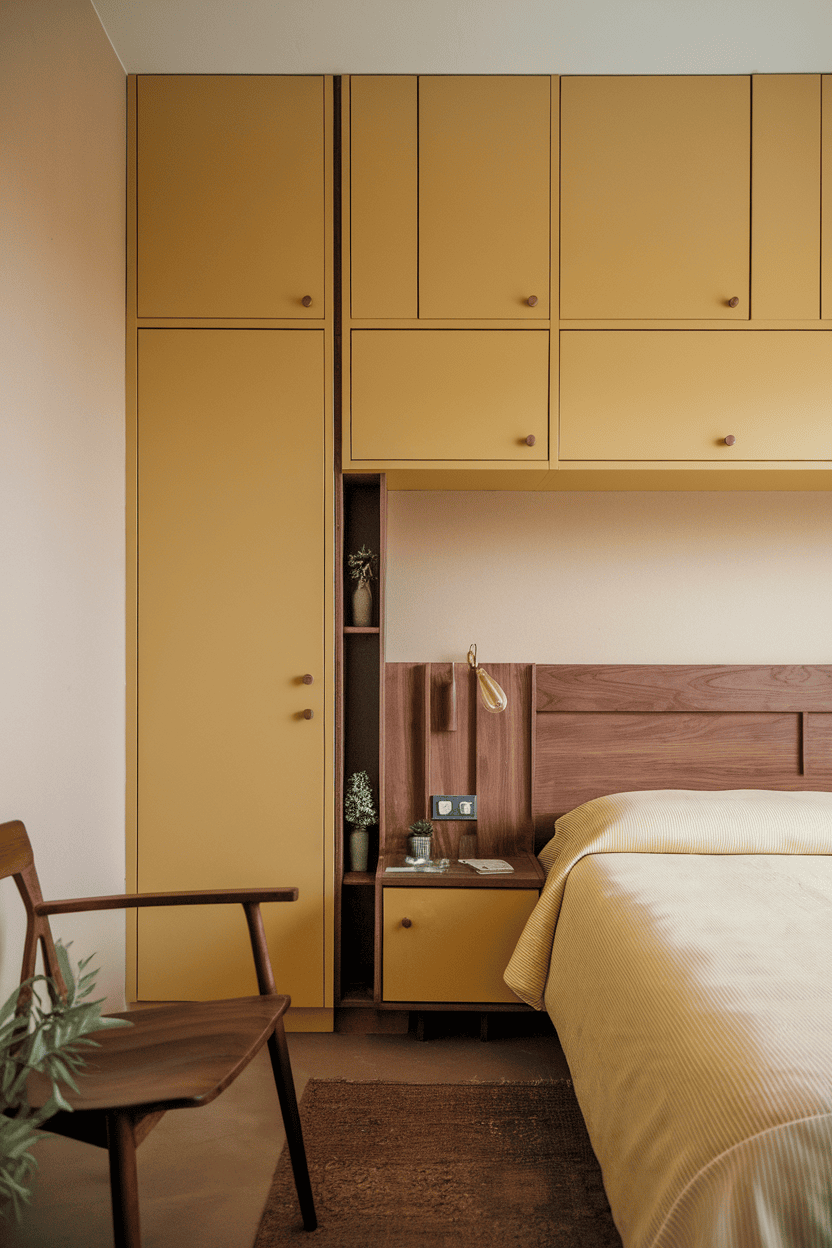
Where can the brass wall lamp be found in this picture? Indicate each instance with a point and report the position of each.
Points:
(493, 697)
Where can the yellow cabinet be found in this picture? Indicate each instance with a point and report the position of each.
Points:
(450, 395)
(451, 944)
(655, 197)
(231, 551)
(230, 196)
(664, 395)
(450, 197)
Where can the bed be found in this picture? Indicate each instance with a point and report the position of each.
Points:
(682, 946)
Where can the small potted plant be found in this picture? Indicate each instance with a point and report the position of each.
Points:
(362, 566)
(420, 840)
(360, 811)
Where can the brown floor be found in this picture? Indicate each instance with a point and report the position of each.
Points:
(204, 1174)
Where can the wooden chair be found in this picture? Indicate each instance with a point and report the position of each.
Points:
(173, 1056)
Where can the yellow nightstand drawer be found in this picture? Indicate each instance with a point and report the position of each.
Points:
(451, 944)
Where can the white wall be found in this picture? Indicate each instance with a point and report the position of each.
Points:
(62, 115)
(470, 36)
(610, 578)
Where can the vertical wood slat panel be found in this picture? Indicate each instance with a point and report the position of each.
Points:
(785, 174)
(404, 751)
(504, 819)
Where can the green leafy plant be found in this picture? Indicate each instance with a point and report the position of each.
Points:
(359, 808)
(422, 827)
(362, 565)
(51, 1041)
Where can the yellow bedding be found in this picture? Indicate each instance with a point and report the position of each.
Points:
(683, 948)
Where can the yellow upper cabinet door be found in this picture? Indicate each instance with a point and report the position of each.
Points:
(706, 395)
(384, 231)
(231, 530)
(826, 220)
(230, 196)
(450, 394)
(655, 197)
(785, 222)
(484, 197)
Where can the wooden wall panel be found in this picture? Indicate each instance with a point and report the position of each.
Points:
(504, 823)
(653, 687)
(404, 752)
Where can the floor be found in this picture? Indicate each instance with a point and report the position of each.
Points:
(204, 1174)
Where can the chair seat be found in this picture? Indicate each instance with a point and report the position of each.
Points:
(172, 1056)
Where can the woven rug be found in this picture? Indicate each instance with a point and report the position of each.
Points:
(400, 1165)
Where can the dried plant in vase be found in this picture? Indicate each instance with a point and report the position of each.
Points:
(360, 811)
(363, 567)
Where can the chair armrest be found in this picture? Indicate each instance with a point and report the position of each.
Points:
(211, 897)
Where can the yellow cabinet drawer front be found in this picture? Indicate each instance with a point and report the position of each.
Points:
(484, 196)
(230, 196)
(457, 945)
(450, 395)
(659, 395)
(655, 197)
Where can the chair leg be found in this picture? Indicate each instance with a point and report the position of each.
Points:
(124, 1187)
(282, 1070)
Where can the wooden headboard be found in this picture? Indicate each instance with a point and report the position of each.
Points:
(573, 732)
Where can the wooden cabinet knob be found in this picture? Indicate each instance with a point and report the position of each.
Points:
(407, 922)
(729, 440)
(532, 301)
(530, 440)
(732, 303)
(307, 301)
(307, 679)
(307, 714)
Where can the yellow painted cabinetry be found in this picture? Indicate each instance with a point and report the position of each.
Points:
(229, 356)
(230, 196)
(450, 394)
(675, 396)
(231, 548)
(450, 197)
(451, 944)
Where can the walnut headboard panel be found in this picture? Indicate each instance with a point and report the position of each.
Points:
(609, 729)
(574, 732)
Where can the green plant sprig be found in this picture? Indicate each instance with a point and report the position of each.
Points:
(52, 1042)
(359, 808)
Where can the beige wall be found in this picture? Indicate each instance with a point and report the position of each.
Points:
(62, 113)
(610, 578)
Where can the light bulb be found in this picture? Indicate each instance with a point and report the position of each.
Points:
(493, 697)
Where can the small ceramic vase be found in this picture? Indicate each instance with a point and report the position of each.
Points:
(362, 605)
(359, 843)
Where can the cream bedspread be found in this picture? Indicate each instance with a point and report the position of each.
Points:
(683, 948)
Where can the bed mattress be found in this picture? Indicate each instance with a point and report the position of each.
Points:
(690, 981)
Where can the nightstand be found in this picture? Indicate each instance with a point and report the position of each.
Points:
(447, 937)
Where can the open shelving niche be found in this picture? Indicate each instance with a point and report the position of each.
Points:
(363, 511)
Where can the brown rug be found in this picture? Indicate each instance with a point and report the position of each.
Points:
(402, 1165)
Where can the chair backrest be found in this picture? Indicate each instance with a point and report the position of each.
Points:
(18, 860)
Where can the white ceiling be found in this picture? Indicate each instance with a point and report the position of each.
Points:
(469, 36)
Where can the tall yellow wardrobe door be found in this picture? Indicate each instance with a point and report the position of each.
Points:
(655, 197)
(230, 618)
(230, 196)
(484, 206)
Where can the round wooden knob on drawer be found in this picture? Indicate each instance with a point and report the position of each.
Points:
(732, 303)
(407, 922)
(532, 301)
(530, 440)
(307, 679)
(729, 440)
(307, 714)
(307, 301)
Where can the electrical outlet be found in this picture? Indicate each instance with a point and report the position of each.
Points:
(454, 806)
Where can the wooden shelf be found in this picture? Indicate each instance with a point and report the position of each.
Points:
(351, 629)
(359, 877)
